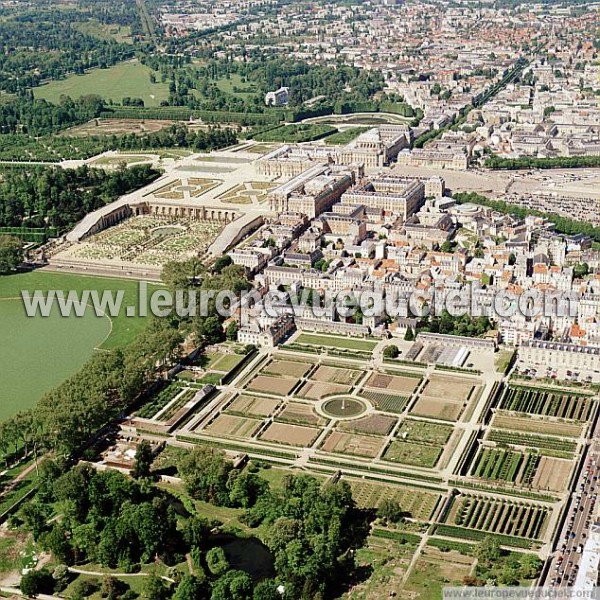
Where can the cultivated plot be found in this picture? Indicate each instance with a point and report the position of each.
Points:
(547, 403)
(280, 386)
(407, 453)
(300, 413)
(503, 517)
(287, 368)
(444, 397)
(416, 503)
(405, 386)
(253, 405)
(502, 420)
(292, 435)
(371, 424)
(315, 390)
(233, 426)
(349, 443)
(336, 375)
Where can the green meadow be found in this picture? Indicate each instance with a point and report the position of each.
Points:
(128, 79)
(38, 353)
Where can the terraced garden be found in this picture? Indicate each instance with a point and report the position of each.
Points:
(531, 440)
(416, 503)
(548, 403)
(391, 403)
(539, 425)
(159, 401)
(503, 465)
(501, 517)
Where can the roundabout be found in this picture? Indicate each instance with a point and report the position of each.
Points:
(343, 407)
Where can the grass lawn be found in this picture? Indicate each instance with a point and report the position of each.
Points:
(127, 79)
(503, 359)
(429, 576)
(228, 362)
(294, 133)
(93, 27)
(346, 136)
(31, 363)
(336, 342)
(227, 85)
(9, 559)
(389, 561)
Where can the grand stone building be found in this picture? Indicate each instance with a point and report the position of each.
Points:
(392, 194)
(313, 191)
(372, 149)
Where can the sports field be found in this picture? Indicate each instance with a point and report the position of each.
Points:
(31, 364)
(129, 79)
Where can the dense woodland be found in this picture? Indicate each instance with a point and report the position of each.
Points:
(306, 82)
(58, 197)
(529, 162)
(46, 44)
(122, 523)
(25, 115)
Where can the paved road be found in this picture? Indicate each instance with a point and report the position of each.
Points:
(580, 515)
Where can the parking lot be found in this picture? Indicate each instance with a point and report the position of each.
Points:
(580, 516)
(540, 371)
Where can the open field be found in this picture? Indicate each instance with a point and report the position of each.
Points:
(300, 413)
(408, 453)
(234, 85)
(335, 342)
(435, 570)
(100, 127)
(287, 368)
(280, 386)
(371, 424)
(346, 136)
(29, 344)
(230, 425)
(316, 390)
(536, 425)
(416, 502)
(350, 443)
(128, 79)
(253, 405)
(124, 329)
(499, 516)
(103, 31)
(564, 405)
(30, 362)
(260, 148)
(335, 375)
(121, 159)
(293, 435)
